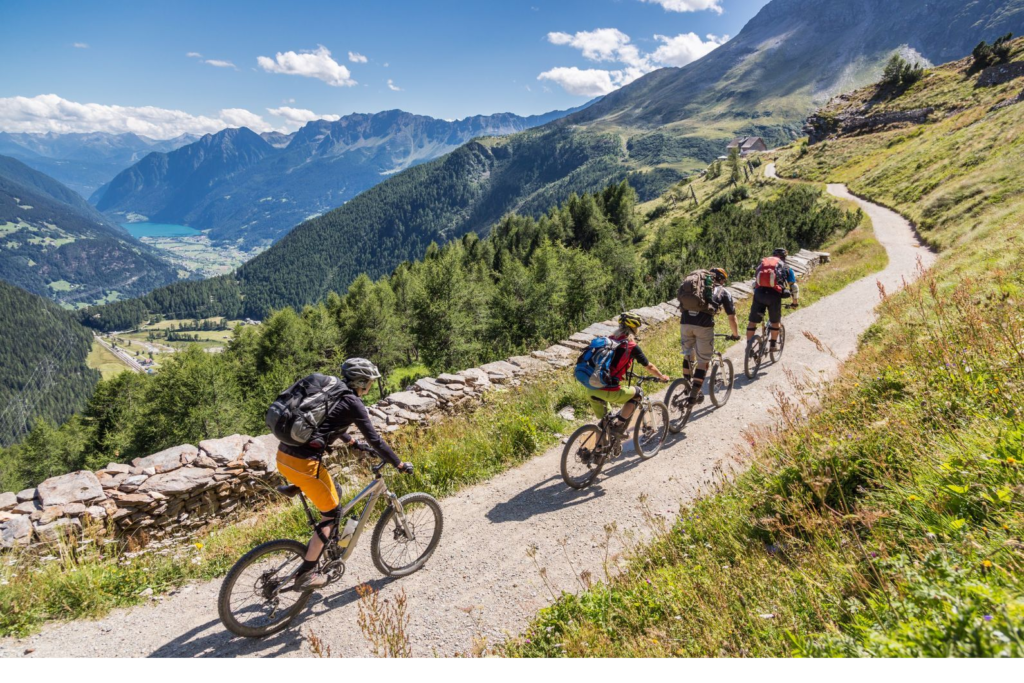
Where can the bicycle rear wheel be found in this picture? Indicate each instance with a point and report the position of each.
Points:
(677, 405)
(651, 430)
(721, 383)
(776, 354)
(582, 460)
(255, 599)
(753, 357)
(396, 554)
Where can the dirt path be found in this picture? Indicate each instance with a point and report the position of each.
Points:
(482, 561)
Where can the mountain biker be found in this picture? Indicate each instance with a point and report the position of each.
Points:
(769, 297)
(301, 465)
(697, 334)
(627, 397)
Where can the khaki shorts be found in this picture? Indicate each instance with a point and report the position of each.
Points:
(699, 339)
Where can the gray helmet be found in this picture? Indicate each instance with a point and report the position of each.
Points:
(781, 253)
(359, 371)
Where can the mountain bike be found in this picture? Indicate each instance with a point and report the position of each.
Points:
(719, 382)
(591, 446)
(259, 596)
(760, 345)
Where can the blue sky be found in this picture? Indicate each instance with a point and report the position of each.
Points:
(447, 59)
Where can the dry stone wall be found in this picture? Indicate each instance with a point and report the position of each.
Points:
(183, 488)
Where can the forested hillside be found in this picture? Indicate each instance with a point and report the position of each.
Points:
(470, 301)
(43, 375)
(54, 244)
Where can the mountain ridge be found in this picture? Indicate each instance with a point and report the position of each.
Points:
(319, 167)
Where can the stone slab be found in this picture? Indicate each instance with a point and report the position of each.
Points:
(412, 401)
(225, 450)
(8, 500)
(475, 377)
(184, 479)
(75, 487)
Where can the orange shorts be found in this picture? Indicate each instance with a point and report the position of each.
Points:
(312, 478)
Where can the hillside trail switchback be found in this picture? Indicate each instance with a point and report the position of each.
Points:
(481, 582)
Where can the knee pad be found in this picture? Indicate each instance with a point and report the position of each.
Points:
(752, 326)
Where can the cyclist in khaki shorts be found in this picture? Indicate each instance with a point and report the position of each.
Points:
(698, 335)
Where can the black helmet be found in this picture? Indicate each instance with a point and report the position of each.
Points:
(781, 252)
(359, 372)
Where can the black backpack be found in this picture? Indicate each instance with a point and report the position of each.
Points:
(298, 410)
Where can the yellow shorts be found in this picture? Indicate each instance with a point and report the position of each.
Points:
(599, 399)
(312, 478)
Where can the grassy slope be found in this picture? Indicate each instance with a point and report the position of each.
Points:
(890, 522)
(511, 428)
(103, 360)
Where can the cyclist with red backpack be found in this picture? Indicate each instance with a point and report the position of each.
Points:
(604, 364)
(774, 282)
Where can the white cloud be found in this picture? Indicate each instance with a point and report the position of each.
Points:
(357, 58)
(195, 55)
(688, 5)
(392, 86)
(81, 46)
(296, 118)
(316, 63)
(601, 45)
(238, 118)
(54, 114)
(583, 82)
(612, 45)
(220, 63)
(685, 48)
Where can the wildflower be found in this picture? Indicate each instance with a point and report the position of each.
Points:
(1011, 461)
(199, 546)
(912, 498)
(987, 564)
(988, 617)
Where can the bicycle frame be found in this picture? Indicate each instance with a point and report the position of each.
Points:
(371, 493)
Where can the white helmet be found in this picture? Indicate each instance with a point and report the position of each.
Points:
(359, 371)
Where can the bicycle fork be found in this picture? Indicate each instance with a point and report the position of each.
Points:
(400, 515)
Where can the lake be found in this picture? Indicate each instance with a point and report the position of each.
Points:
(159, 230)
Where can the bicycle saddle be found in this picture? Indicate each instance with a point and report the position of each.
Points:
(289, 490)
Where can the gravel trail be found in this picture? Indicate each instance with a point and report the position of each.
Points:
(481, 580)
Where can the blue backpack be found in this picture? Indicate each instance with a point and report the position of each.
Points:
(594, 366)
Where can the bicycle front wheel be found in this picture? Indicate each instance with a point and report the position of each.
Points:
(397, 553)
(256, 598)
(582, 458)
(721, 383)
(776, 353)
(678, 407)
(651, 430)
(752, 359)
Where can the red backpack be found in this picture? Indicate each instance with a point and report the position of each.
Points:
(621, 364)
(771, 274)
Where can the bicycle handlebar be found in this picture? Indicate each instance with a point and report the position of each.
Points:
(648, 378)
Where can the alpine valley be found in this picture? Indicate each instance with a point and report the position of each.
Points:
(251, 188)
(790, 58)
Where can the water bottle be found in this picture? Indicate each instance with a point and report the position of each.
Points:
(346, 533)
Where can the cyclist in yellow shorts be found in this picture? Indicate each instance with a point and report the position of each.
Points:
(627, 353)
